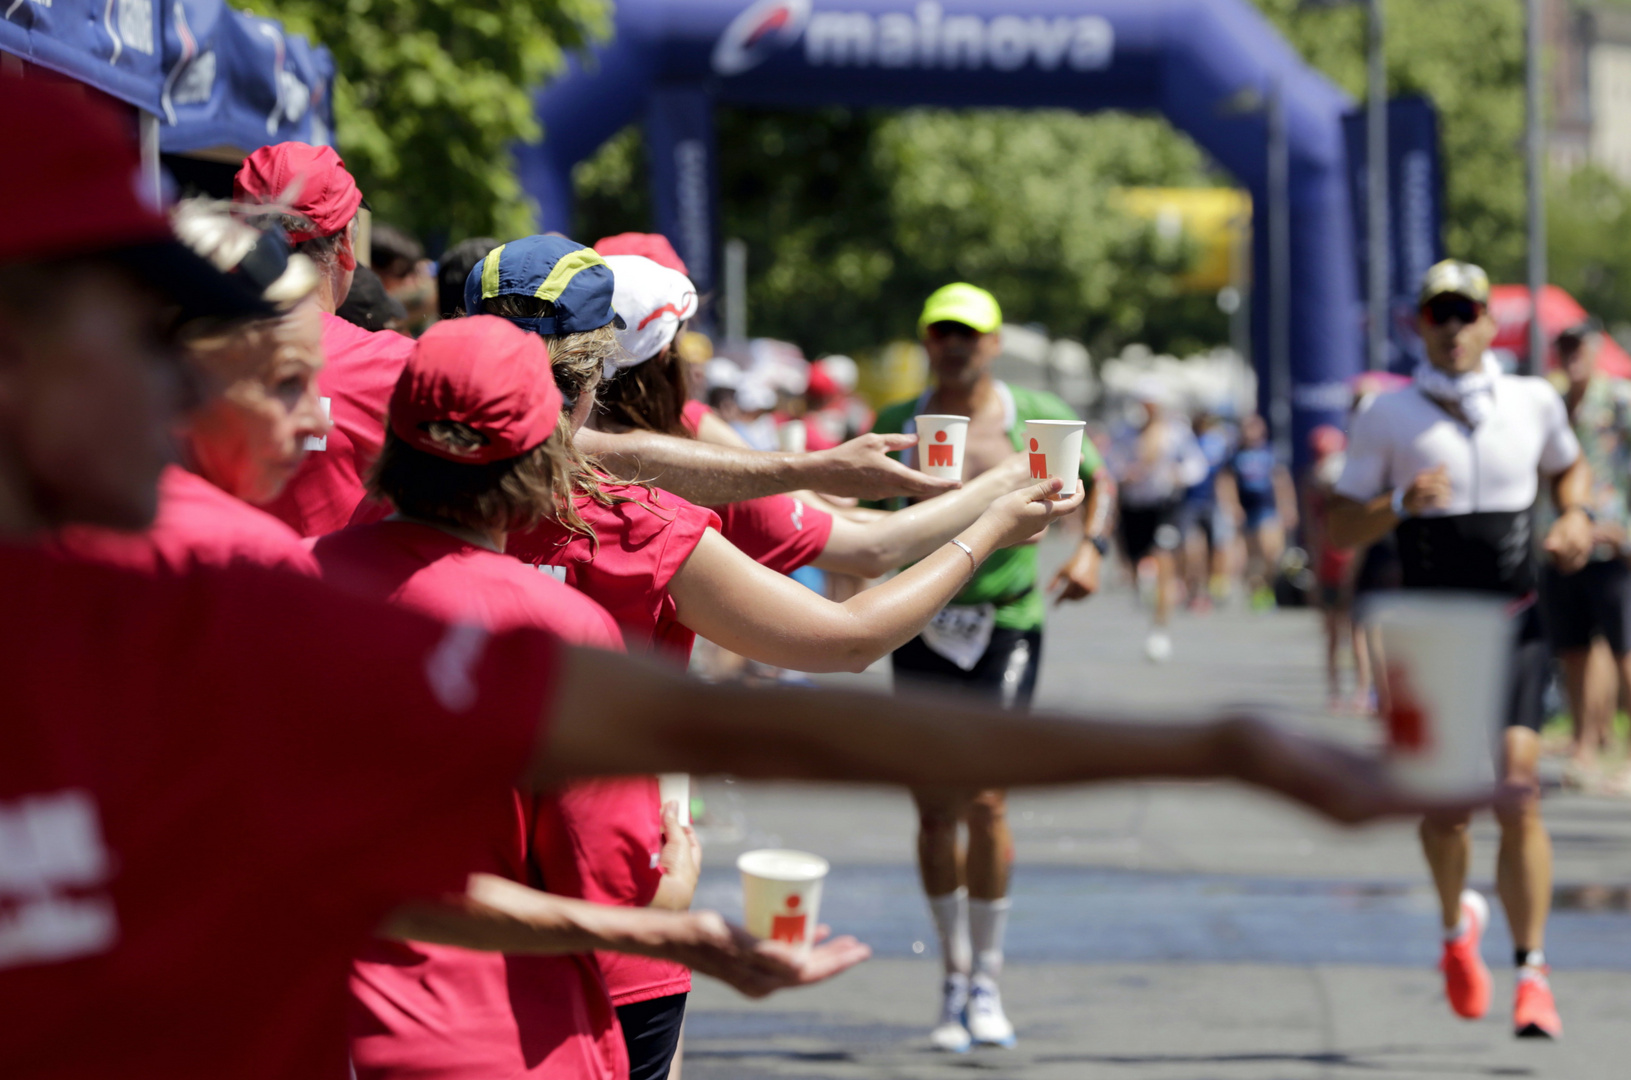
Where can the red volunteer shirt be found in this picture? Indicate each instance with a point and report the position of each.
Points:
(431, 1011)
(777, 530)
(197, 524)
(360, 370)
(206, 816)
(644, 540)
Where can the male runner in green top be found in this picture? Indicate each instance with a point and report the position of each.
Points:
(988, 641)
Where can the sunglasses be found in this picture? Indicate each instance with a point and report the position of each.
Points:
(1441, 309)
(948, 328)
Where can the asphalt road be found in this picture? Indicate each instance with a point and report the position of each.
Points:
(1172, 931)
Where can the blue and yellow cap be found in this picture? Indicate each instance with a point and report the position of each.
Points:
(573, 278)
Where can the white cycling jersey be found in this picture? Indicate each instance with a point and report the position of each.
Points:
(1481, 539)
(1493, 467)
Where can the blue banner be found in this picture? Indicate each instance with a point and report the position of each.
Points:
(1415, 207)
(215, 77)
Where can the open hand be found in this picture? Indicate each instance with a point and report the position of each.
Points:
(1025, 515)
(1345, 785)
(862, 468)
(757, 967)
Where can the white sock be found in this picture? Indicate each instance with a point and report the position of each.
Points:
(951, 923)
(987, 925)
(1462, 927)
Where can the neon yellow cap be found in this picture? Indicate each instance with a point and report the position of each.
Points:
(963, 303)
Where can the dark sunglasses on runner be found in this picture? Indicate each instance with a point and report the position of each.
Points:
(949, 328)
(1446, 306)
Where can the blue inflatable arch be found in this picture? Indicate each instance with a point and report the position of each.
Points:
(1195, 61)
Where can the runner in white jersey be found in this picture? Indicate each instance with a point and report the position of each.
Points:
(1453, 464)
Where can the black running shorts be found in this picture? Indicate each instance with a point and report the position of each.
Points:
(1581, 606)
(1005, 672)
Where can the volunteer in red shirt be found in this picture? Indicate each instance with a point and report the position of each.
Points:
(317, 200)
(656, 564)
(245, 439)
(216, 785)
(469, 456)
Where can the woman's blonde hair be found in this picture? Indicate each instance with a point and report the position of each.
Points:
(513, 494)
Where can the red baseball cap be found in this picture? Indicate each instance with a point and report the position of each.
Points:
(482, 371)
(654, 246)
(75, 188)
(311, 180)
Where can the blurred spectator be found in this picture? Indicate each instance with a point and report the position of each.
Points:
(403, 271)
(754, 422)
(1587, 611)
(457, 262)
(369, 306)
(1334, 569)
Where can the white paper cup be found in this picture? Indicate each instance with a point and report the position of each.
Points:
(793, 437)
(1055, 447)
(781, 894)
(675, 787)
(1442, 663)
(940, 443)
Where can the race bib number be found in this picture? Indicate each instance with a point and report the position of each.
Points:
(961, 632)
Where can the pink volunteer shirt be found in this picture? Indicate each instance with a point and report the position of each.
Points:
(431, 1011)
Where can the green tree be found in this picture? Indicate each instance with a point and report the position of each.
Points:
(1589, 242)
(430, 95)
(852, 217)
(1467, 56)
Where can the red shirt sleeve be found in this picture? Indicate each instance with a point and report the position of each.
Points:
(778, 531)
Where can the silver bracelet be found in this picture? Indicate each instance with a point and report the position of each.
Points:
(968, 551)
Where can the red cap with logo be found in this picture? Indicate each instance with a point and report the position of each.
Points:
(311, 180)
(486, 373)
(654, 246)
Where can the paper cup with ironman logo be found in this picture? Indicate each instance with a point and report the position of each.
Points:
(1055, 447)
(1442, 663)
(793, 437)
(940, 442)
(781, 894)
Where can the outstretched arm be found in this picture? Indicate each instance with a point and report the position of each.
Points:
(874, 548)
(616, 715)
(713, 475)
(499, 915)
(734, 602)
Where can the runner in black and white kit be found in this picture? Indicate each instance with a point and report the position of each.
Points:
(1452, 463)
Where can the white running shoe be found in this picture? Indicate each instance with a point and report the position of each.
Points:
(987, 1024)
(951, 1034)
(1158, 647)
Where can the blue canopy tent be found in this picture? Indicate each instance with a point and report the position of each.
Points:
(1215, 68)
(210, 78)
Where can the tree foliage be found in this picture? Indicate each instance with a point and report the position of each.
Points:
(851, 218)
(1467, 57)
(431, 95)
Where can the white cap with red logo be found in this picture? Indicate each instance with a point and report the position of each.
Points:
(653, 301)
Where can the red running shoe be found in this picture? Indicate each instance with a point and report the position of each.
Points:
(1466, 976)
(1534, 1013)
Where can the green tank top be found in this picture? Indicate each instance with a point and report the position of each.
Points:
(1008, 579)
